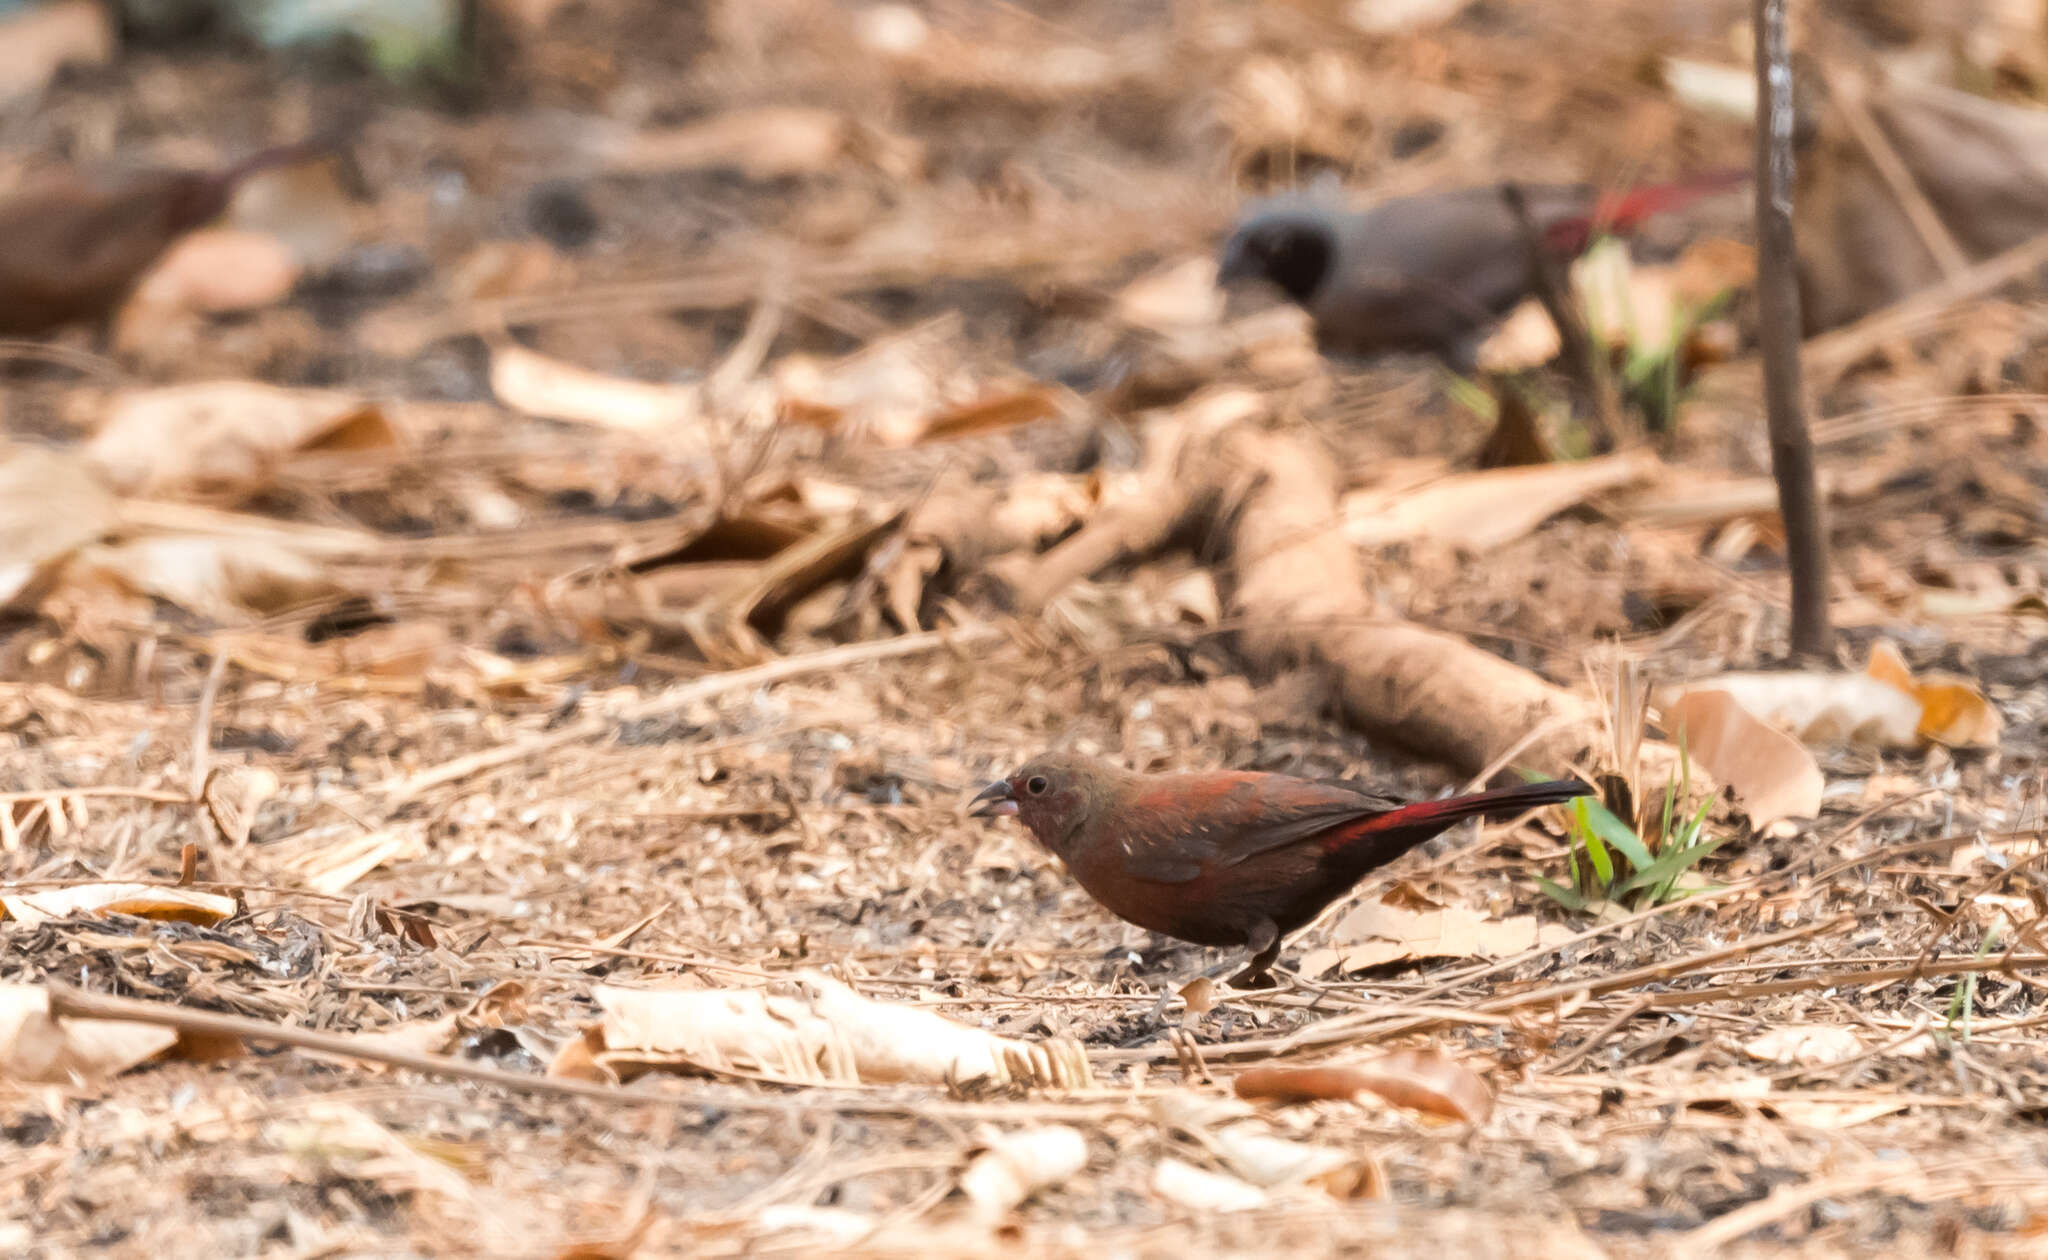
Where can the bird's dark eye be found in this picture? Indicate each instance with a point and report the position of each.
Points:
(1036, 785)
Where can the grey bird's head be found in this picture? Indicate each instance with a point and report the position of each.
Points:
(1289, 241)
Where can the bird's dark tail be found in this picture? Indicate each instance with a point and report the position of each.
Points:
(1625, 211)
(1376, 840)
(1501, 803)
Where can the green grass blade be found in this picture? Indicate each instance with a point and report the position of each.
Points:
(1689, 832)
(1596, 852)
(1671, 865)
(1563, 896)
(1618, 835)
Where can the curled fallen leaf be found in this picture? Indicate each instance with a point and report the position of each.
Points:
(1819, 709)
(51, 504)
(143, 901)
(1271, 1161)
(1431, 1082)
(226, 435)
(541, 386)
(233, 794)
(1772, 774)
(816, 1030)
(211, 272)
(1426, 1081)
(1298, 1085)
(1011, 1167)
(1952, 710)
(1482, 510)
(224, 579)
(1199, 1190)
(38, 1047)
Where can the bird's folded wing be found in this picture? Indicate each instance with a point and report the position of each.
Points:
(1187, 824)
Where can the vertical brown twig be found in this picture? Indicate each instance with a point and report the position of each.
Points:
(1778, 310)
(1581, 355)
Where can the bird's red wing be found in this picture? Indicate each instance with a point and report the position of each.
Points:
(1182, 825)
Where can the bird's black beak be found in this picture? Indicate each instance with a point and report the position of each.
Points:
(996, 801)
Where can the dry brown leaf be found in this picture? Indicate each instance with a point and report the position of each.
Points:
(1267, 1160)
(828, 1228)
(51, 505)
(1711, 267)
(550, 388)
(1199, 995)
(1772, 774)
(884, 392)
(1172, 298)
(990, 413)
(37, 1047)
(1199, 1190)
(1192, 598)
(341, 1140)
(226, 580)
(1246, 1144)
(494, 269)
(1830, 1115)
(38, 41)
(336, 868)
(1298, 1085)
(1482, 510)
(1819, 709)
(765, 143)
(397, 657)
(1522, 342)
(1011, 1167)
(1378, 932)
(1626, 303)
(1711, 87)
(1384, 17)
(728, 625)
(1307, 108)
(1807, 1045)
(1428, 1081)
(233, 794)
(226, 435)
(821, 1033)
(143, 901)
(1431, 1082)
(1953, 711)
(214, 271)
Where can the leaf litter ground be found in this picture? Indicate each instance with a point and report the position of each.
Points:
(514, 760)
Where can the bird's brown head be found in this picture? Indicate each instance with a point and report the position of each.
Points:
(192, 199)
(1292, 246)
(1055, 796)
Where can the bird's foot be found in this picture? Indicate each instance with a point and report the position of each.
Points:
(1254, 977)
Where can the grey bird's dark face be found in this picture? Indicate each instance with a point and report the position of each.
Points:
(1294, 251)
